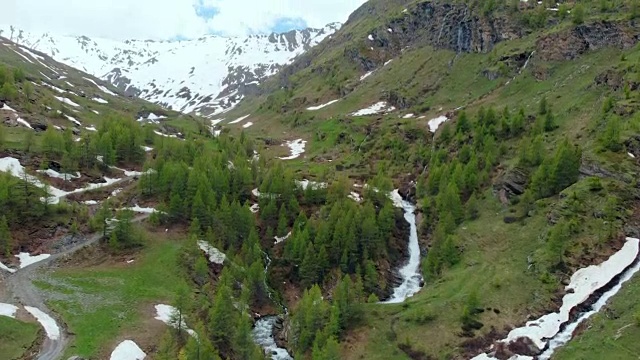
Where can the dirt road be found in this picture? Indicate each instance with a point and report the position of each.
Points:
(20, 285)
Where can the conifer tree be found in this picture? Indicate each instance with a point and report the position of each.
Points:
(5, 237)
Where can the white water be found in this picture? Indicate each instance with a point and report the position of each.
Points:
(410, 273)
(263, 336)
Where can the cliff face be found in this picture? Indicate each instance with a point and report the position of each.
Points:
(567, 45)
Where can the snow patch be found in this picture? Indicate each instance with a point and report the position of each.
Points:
(91, 202)
(26, 259)
(282, 239)
(24, 123)
(147, 148)
(408, 116)
(255, 208)
(314, 108)
(434, 124)
(73, 120)
(153, 118)
(355, 196)
(387, 62)
(104, 89)
(584, 283)
(91, 128)
(297, 148)
(239, 119)
(138, 209)
(377, 108)
(167, 314)
(6, 107)
(366, 75)
(304, 184)
(50, 327)
(631, 155)
(247, 125)
(127, 350)
(6, 268)
(66, 101)
(215, 255)
(8, 310)
(100, 100)
(370, 37)
(54, 174)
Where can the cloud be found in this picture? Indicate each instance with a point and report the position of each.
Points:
(170, 19)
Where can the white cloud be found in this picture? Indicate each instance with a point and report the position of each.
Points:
(167, 19)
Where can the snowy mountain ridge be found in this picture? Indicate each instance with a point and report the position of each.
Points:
(207, 76)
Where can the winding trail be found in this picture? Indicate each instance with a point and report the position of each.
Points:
(20, 285)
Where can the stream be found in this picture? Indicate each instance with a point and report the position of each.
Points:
(410, 272)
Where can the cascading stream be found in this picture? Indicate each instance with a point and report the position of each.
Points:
(410, 272)
(263, 330)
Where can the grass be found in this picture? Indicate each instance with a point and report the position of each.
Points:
(16, 337)
(109, 300)
(494, 267)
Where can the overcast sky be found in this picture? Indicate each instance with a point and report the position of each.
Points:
(171, 19)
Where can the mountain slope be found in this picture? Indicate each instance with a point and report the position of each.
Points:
(518, 88)
(206, 75)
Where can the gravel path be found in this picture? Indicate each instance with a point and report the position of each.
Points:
(20, 285)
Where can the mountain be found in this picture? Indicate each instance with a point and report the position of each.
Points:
(207, 76)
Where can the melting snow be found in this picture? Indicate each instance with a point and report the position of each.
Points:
(6, 107)
(6, 268)
(255, 208)
(297, 148)
(304, 184)
(584, 283)
(23, 122)
(370, 37)
(91, 128)
(355, 196)
(387, 62)
(434, 124)
(26, 259)
(128, 350)
(96, 112)
(239, 119)
(281, 239)
(67, 101)
(313, 108)
(73, 120)
(408, 116)
(377, 108)
(247, 125)
(138, 209)
(90, 202)
(104, 89)
(152, 118)
(100, 100)
(366, 75)
(165, 135)
(47, 322)
(631, 155)
(147, 148)
(54, 174)
(166, 314)
(54, 88)
(215, 255)
(8, 310)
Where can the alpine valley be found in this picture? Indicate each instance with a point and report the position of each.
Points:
(429, 180)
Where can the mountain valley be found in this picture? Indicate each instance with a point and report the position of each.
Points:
(428, 180)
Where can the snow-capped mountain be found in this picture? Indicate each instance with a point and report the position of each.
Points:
(207, 76)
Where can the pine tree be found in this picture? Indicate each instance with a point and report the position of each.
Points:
(6, 243)
(283, 222)
(222, 315)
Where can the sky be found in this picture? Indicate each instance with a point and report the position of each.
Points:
(172, 19)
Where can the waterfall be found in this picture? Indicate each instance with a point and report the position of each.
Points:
(410, 272)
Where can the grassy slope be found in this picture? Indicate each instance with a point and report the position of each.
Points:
(103, 302)
(494, 264)
(16, 337)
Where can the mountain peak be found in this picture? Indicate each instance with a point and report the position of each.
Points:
(215, 71)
